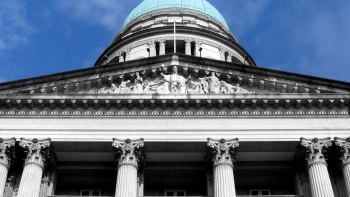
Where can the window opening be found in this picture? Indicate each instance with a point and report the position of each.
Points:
(175, 193)
(259, 192)
(90, 193)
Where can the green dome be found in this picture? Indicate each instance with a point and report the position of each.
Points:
(201, 6)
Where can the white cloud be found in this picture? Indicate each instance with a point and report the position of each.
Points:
(14, 27)
(105, 13)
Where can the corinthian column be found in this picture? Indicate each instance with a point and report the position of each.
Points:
(6, 154)
(38, 153)
(130, 157)
(317, 166)
(222, 154)
(345, 150)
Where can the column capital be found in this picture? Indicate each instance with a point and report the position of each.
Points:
(7, 151)
(198, 43)
(188, 41)
(151, 43)
(315, 149)
(127, 50)
(344, 144)
(130, 152)
(162, 41)
(39, 152)
(222, 50)
(222, 151)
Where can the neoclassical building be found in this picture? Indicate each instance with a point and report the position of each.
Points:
(175, 107)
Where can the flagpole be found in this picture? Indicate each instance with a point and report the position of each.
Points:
(174, 36)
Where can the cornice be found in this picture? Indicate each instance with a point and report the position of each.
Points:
(214, 105)
(247, 76)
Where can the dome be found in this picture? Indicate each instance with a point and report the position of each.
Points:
(201, 6)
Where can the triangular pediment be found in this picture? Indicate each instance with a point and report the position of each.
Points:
(189, 78)
(186, 86)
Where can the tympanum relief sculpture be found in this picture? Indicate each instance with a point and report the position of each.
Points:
(173, 83)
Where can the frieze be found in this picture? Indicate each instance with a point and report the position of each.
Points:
(173, 83)
(172, 113)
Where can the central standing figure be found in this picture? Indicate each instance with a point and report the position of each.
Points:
(176, 83)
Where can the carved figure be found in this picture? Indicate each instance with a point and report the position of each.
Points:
(227, 88)
(123, 88)
(138, 84)
(176, 83)
(213, 83)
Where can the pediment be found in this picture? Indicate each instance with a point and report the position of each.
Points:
(233, 90)
(188, 78)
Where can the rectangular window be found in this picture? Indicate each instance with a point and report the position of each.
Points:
(259, 192)
(90, 193)
(175, 193)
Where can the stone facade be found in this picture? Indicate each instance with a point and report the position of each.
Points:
(205, 121)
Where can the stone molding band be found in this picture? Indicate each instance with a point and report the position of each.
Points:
(34, 163)
(346, 163)
(223, 163)
(6, 165)
(317, 162)
(125, 164)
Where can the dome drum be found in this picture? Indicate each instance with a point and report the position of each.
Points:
(188, 44)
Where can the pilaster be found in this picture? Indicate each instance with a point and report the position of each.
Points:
(152, 47)
(188, 47)
(121, 56)
(344, 144)
(38, 156)
(6, 156)
(162, 47)
(127, 54)
(197, 51)
(317, 166)
(130, 158)
(222, 54)
(222, 155)
(229, 57)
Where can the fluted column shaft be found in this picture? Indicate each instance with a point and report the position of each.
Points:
(31, 180)
(129, 158)
(224, 184)
(6, 154)
(346, 174)
(3, 178)
(344, 144)
(33, 167)
(126, 181)
(320, 182)
(222, 155)
(321, 185)
(45, 182)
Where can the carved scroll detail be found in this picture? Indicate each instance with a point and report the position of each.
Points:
(130, 152)
(344, 144)
(316, 149)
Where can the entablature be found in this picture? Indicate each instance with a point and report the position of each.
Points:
(175, 105)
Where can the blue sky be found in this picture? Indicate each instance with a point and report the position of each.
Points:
(48, 36)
